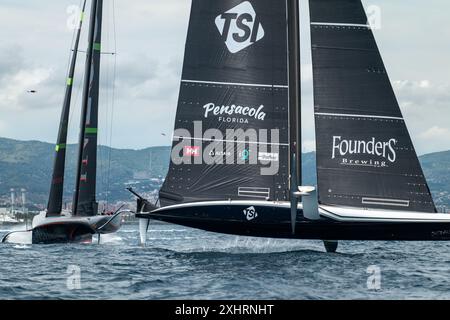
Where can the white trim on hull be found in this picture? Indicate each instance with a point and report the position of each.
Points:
(331, 212)
(371, 215)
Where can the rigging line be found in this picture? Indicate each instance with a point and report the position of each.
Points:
(106, 96)
(104, 164)
(71, 47)
(103, 138)
(78, 85)
(70, 56)
(71, 53)
(107, 115)
(113, 99)
(77, 96)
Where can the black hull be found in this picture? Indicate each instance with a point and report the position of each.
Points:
(274, 222)
(65, 230)
(76, 230)
(59, 233)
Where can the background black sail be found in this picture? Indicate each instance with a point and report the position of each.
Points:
(234, 78)
(85, 193)
(365, 157)
(54, 206)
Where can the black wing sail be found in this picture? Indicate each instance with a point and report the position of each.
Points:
(231, 131)
(85, 193)
(365, 156)
(55, 201)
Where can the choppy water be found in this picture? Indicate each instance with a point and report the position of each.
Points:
(183, 263)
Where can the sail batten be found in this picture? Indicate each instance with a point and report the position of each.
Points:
(257, 85)
(365, 156)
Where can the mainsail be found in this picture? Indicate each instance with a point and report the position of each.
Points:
(85, 192)
(231, 131)
(55, 201)
(365, 156)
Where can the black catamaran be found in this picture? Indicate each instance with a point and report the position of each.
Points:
(56, 225)
(236, 156)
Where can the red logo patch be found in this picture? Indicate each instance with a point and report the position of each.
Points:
(192, 151)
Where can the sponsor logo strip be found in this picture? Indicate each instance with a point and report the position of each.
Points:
(344, 147)
(235, 110)
(176, 138)
(386, 202)
(268, 156)
(192, 151)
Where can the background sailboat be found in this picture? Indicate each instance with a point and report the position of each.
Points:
(241, 54)
(56, 225)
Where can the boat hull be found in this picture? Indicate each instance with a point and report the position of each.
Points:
(272, 220)
(74, 230)
(64, 232)
(63, 229)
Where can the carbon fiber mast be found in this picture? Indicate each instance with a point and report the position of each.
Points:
(294, 78)
(54, 206)
(84, 202)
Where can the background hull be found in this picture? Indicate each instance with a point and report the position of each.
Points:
(68, 229)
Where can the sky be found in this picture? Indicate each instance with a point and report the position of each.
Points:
(36, 39)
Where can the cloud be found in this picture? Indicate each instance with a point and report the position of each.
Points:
(309, 145)
(436, 133)
(11, 60)
(18, 76)
(151, 39)
(426, 108)
(15, 87)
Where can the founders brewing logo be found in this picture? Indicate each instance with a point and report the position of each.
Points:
(240, 27)
(250, 213)
(369, 153)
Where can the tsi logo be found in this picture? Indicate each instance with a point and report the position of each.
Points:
(250, 213)
(240, 27)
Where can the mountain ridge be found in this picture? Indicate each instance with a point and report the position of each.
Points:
(28, 164)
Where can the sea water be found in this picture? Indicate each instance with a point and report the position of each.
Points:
(184, 263)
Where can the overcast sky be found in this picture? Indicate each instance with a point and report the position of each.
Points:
(414, 40)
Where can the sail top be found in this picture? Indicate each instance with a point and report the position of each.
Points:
(339, 12)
